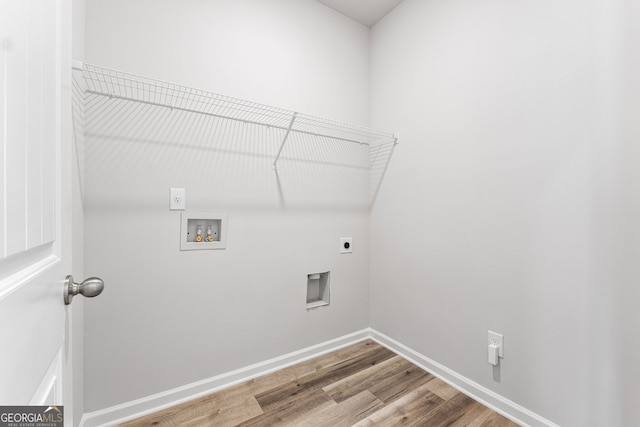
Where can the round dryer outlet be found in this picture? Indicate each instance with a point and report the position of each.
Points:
(346, 245)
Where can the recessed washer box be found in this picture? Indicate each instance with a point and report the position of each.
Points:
(317, 289)
(203, 230)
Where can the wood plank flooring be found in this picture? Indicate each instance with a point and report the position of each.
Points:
(362, 385)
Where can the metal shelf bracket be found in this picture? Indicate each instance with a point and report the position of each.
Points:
(284, 140)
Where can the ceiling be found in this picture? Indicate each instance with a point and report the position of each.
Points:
(366, 12)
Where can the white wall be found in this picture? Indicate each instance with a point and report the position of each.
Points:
(168, 318)
(625, 213)
(509, 204)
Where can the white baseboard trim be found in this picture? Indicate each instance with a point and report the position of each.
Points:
(498, 403)
(157, 402)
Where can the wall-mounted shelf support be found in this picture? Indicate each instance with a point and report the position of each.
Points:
(286, 135)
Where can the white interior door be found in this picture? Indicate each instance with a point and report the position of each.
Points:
(34, 199)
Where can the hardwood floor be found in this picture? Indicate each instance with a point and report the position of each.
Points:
(361, 385)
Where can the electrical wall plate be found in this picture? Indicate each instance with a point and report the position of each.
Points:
(177, 201)
(346, 245)
(497, 339)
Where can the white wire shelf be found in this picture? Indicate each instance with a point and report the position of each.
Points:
(94, 80)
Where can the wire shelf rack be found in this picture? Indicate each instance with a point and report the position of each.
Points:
(94, 80)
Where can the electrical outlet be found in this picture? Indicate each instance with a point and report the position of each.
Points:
(497, 339)
(177, 199)
(346, 245)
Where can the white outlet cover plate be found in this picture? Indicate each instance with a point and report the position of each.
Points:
(177, 199)
(494, 337)
(346, 241)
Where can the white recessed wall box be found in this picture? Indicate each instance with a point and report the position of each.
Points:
(317, 290)
(203, 230)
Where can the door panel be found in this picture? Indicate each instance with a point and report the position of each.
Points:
(28, 95)
(50, 389)
(34, 196)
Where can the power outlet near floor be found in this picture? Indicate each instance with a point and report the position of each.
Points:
(496, 339)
